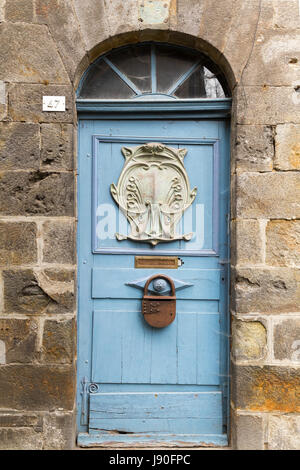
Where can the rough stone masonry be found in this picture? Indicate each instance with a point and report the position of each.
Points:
(46, 45)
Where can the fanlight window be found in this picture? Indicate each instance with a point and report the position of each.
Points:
(153, 71)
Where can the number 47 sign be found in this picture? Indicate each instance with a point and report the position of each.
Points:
(54, 103)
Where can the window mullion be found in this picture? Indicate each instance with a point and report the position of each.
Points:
(153, 69)
(183, 78)
(122, 76)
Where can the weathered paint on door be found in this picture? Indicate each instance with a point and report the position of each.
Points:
(137, 383)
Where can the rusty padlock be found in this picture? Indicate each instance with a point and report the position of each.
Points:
(159, 310)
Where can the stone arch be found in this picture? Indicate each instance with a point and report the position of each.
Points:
(171, 37)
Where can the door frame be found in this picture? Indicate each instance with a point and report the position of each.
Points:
(208, 109)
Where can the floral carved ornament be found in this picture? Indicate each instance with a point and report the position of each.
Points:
(153, 191)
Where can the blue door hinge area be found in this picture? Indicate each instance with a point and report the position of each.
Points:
(87, 388)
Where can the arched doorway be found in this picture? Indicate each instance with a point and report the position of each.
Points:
(153, 199)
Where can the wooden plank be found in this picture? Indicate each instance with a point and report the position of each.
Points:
(136, 350)
(208, 349)
(206, 283)
(155, 405)
(121, 388)
(107, 347)
(151, 440)
(164, 354)
(187, 349)
(178, 425)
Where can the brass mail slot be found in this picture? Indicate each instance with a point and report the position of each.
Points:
(156, 262)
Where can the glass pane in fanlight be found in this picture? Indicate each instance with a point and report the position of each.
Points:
(213, 87)
(172, 63)
(194, 86)
(102, 82)
(201, 84)
(135, 63)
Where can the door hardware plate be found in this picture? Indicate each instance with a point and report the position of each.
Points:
(156, 262)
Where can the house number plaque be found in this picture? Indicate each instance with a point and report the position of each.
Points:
(54, 103)
(153, 191)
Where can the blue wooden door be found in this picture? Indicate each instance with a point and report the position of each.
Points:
(138, 383)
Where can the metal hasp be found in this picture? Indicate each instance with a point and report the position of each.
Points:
(153, 191)
(159, 311)
(140, 284)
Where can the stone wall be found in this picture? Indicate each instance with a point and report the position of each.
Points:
(46, 46)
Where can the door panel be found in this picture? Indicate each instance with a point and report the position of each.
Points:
(202, 165)
(159, 381)
(186, 352)
(183, 412)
